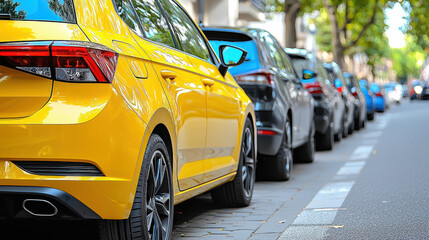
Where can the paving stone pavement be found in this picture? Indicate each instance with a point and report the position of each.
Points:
(274, 206)
(237, 223)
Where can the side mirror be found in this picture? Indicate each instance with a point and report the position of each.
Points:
(230, 56)
(338, 83)
(308, 74)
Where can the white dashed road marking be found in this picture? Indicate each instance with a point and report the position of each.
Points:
(362, 152)
(351, 168)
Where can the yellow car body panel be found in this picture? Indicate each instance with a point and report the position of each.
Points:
(109, 125)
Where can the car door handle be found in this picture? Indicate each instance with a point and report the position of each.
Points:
(169, 75)
(208, 82)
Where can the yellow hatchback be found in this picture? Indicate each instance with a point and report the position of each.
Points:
(117, 110)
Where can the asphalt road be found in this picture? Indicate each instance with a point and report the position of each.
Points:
(373, 185)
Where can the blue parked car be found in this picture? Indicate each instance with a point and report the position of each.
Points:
(370, 99)
(380, 102)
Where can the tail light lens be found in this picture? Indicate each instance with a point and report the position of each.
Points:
(378, 94)
(314, 88)
(62, 60)
(340, 89)
(260, 77)
(266, 132)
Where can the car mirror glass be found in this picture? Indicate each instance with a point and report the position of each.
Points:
(308, 74)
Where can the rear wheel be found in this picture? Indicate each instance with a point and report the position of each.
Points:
(305, 154)
(152, 213)
(345, 127)
(238, 193)
(279, 167)
(357, 122)
(352, 127)
(338, 136)
(371, 116)
(326, 141)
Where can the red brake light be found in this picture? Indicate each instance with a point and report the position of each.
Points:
(266, 132)
(378, 94)
(260, 77)
(71, 61)
(340, 89)
(314, 88)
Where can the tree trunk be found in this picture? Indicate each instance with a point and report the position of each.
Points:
(337, 46)
(292, 8)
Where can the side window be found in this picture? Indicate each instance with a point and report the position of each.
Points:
(126, 12)
(287, 61)
(189, 36)
(275, 54)
(154, 24)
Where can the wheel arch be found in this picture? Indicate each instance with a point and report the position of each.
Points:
(160, 123)
(289, 115)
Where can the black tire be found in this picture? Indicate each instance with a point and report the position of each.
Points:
(239, 192)
(345, 127)
(352, 127)
(371, 116)
(278, 167)
(325, 141)
(305, 153)
(357, 122)
(153, 200)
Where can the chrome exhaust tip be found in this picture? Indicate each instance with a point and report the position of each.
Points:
(40, 207)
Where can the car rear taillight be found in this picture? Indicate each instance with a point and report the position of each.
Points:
(62, 60)
(340, 89)
(260, 77)
(378, 94)
(266, 132)
(313, 88)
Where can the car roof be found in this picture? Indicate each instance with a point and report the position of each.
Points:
(242, 30)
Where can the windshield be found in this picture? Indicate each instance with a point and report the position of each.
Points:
(38, 10)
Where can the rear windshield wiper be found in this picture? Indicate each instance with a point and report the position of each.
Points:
(5, 16)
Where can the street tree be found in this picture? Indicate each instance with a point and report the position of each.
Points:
(9, 6)
(349, 22)
(418, 25)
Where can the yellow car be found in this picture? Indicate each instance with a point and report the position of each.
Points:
(117, 110)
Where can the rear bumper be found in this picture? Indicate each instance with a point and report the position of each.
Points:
(321, 118)
(12, 198)
(269, 144)
(380, 105)
(105, 133)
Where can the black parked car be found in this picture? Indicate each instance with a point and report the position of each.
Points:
(329, 105)
(360, 102)
(337, 80)
(283, 107)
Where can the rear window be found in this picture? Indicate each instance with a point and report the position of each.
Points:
(349, 81)
(301, 63)
(237, 40)
(38, 10)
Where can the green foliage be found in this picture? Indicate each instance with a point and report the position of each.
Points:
(418, 21)
(65, 10)
(407, 61)
(9, 6)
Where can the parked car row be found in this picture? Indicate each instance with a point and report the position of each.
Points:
(131, 108)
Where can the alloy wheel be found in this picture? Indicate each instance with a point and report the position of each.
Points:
(248, 168)
(288, 150)
(158, 197)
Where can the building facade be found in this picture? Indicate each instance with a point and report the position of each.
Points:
(225, 12)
